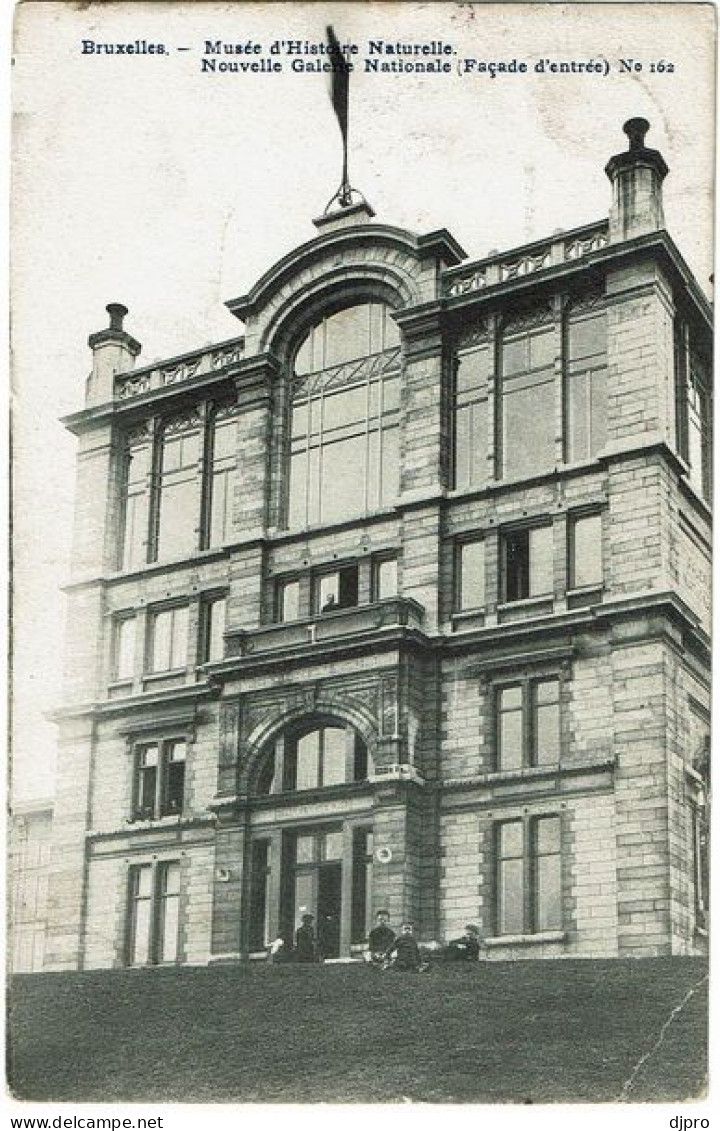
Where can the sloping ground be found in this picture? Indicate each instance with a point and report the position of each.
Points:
(520, 1032)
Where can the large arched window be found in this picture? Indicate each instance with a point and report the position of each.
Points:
(313, 757)
(344, 450)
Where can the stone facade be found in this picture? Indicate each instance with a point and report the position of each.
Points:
(532, 760)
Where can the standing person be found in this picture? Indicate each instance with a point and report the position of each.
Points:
(305, 948)
(406, 952)
(466, 948)
(380, 939)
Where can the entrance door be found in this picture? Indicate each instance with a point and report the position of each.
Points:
(329, 902)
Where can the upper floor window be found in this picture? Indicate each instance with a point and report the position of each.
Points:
(585, 551)
(159, 786)
(586, 383)
(177, 493)
(527, 563)
(470, 575)
(213, 613)
(473, 370)
(337, 589)
(344, 447)
(694, 404)
(528, 724)
(124, 648)
(385, 578)
(314, 758)
(527, 433)
(168, 639)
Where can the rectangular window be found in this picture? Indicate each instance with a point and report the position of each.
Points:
(159, 789)
(136, 502)
(336, 590)
(385, 581)
(288, 601)
(528, 895)
(470, 576)
(585, 564)
(177, 520)
(527, 563)
(223, 462)
(168, 639)
(177, 488)
(473, 371)
(586, 385)
(694, 408)
(124, 659)
(528, 402)
(212, 623)
(528, 724)
(153, 913)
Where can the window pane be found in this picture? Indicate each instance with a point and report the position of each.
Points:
(220, 508)
(510, 917)
(297, 501)
(517, 565)
(542, 349)
(547, 734)
(125, 649)
(136, 529)
(390, 478)
(308, 755)
(225, 440)
(334, 746)
(473, 370)
(386, 576)
(579, 436)
(178, 656)
(472, 575)
(541, 560)
(347, 406)
(304, 902)
(547, 835)
(528, 428)
(586, 560)
(332, 848)
(463, 462)
(511, 698)
(215, 612)
(343, 479)
(587, 338)
(511, 740)
(347, 335)
(141, 932)
(178, 518)
(305, 849)
(174, 786)
(289, 604)
(515, 357)
(548, 895)
(598, 411)
(161, 641)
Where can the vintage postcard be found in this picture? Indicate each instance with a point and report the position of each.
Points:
(362, 414)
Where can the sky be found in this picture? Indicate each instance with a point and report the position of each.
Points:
(140, 179)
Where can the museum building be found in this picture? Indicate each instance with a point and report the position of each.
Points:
(399, 599)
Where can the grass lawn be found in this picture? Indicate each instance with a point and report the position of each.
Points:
(524, 1032)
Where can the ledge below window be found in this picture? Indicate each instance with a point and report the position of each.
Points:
(527, 940)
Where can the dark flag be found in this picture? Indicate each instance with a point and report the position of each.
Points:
(339, 83)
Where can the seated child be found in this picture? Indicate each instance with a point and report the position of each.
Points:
(466, 948)
(404, 954)
(380, 939)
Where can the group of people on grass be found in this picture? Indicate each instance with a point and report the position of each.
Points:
(386, 950)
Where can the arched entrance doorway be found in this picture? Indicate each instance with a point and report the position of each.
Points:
(311, 838)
